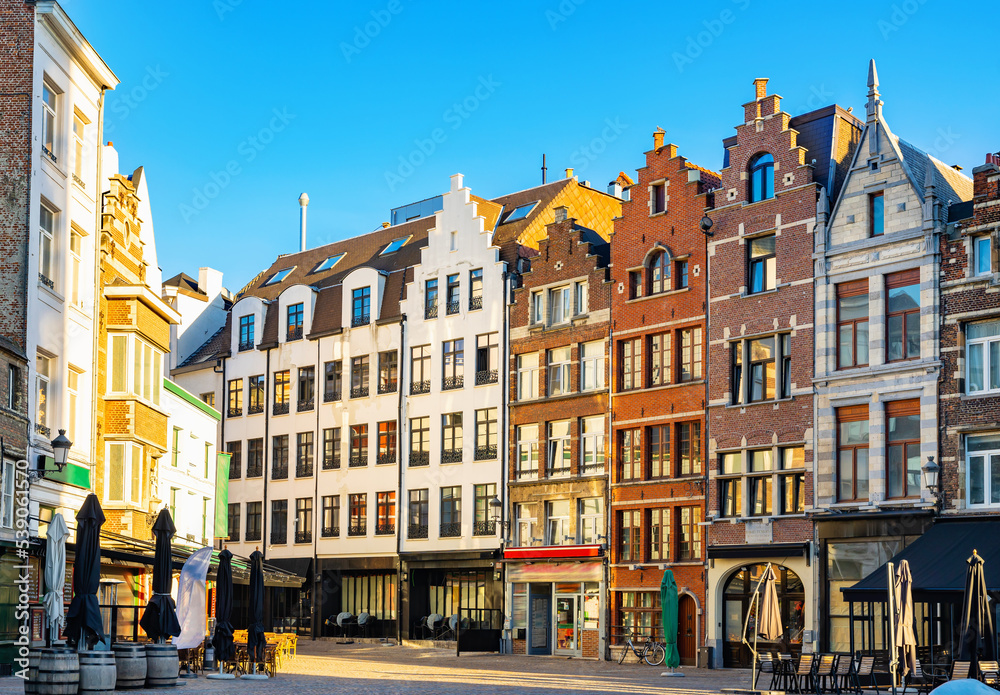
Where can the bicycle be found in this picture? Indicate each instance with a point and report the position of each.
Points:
(652, 652)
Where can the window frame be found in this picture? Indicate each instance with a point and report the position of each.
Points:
(690, 361)
(848, 414)
(978, 255)
(982, 345)
(846, 290)
(559, 369)
(527, 450)
(527, 375)
(361, 298)
(760, 166)
(658, 271)
(876, 226)
(894, 281)
(987, 465)
(763, 266)
(629, 454)
(630, 357)
(902, 409)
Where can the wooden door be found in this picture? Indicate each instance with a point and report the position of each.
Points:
(687, 631)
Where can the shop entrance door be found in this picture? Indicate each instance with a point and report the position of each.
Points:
(566, 620)
(540, 619)
(687, 615)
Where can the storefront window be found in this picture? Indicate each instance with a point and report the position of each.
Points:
(591, 606)
(847, 564)
(738, 594)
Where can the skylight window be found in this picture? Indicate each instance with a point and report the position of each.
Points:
(278, 277)
(395, 245)
(519, 213)
(329, 262)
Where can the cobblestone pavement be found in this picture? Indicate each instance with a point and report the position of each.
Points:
(326, 667)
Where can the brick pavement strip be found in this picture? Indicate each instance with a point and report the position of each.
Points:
(326, 667)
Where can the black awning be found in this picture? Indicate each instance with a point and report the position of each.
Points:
(301, 566)
(938, 562)
(771, 550)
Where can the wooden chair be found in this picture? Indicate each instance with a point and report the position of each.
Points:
(922, 682)
(843, 673)
(765, 664)
(989, 673)
(865, 669)
(960, 670)
(826, 673)
(784, 667)
(804, 673)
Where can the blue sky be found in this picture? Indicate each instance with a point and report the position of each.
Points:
(237, 106)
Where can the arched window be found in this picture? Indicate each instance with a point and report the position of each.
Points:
(737, 598)
(659, 271)
(761, 177)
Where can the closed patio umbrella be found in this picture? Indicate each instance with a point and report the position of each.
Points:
(83, 622)
(160, 617)
(769, 624)
(977, 622)
(668, 608)
(255, 632)
(55, 572)
(906, 640)
(223, 638)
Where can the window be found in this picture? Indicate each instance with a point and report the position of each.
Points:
(385, 513)
(234, 523)
(386, 442)
(282, 392)
(581, 299)
(278, 277)
(590, 520)
(629, 454)
(635, 284)
(560, 305)
(559, 363)
(359, 445)
(246, 332)
(451, 512)
(361, 306)
(431, 299)
(630, 358)
(559, 462)
(255, 393)
(690, 357)
(46, 247)
(659, 273)
(331, 516)
(451, 438)
(255, 457)
(487, 359)
(359, 376)
(525, 526)
(124, 473)
(852, 324)
(658, 198)
(175, 449)
(420, 369)
(358, 510)
(208, 398)
(420, 441)
(452, 299)
(483, 524)
(333, 380)
(537, 307)
(640, 611)
(903, 449)
(730, 487)
(982, 460)
(982, 341)
(689, 538)
(689, 447)
(304, 454)
(486, 434)
(418, 514)
(146, 374)
(119, 359)
(761, 177)
(519, 213)
(852, 453)
(394, 245)
(759, 486)
(659, 359)
(903, 315)
(303, 520)
(983, 254)
(454, 364)
(761, 262)
(475, 289)
(388, 371)
(279, 522)
(13, 387)
(527, 452)
(659, 534)
(75, 244)
(43, 367)
(307, 388)
(876, 214)
(592, 365)
(629, 536)
(527, 376)
(173, 502)
(792, 481)
(681, 274)
(49, 112)
(7, 498)
(658, 451)
(73, 396)
(328, 263)
(592, 445)
(295, 314)
(557, 523)
(235, 450)
(254, 514)
(331, 448)
(279, 457)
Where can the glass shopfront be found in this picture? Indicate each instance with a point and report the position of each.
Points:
(737, 598)
(554, 614)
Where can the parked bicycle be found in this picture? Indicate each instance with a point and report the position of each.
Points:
(649, 651)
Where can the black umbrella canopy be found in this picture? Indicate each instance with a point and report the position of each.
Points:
(978, 642)
(223, 639)
(255, 632)
(160, 618)
(83, 622)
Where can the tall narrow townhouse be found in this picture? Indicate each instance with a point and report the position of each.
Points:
(659, 296)
(559, 336)
(454, 346)
(760, 418)
(310, 360)
(877, 358)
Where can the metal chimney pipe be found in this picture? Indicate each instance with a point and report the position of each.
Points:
(303, 204)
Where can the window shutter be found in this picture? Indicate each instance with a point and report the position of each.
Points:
(903, 278)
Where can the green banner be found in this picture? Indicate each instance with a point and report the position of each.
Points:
(222, 494)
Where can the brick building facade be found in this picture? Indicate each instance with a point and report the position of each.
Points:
(658, 409)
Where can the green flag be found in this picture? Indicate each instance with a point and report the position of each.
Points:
(222, 494)
(668, 607)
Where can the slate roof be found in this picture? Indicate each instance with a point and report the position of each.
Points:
(949, 184)
(545, 194)
(214, 347)
(185, 282)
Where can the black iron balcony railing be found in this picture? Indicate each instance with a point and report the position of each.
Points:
(331, 463)
(359, 392)
(255, 470)
(417, 531)
(420, 458)
(431, 311)
(279, 537)
(234, 468)
(360, 320)
(329, 396)
(387, 457)
(279, 471)
(475, 303)
(357, 530)
(46, 151)
(303, 406)
(255, 409)
(559, 471)
(246, 345)
(385, 529)
(359, 460)
(253, 534)
(453, 382)
(234, 536)
(294, 333)
(45, 280)
(234, 412)
(280, 408)
(451, 530)
(487, 376)
(452, 307)
(389, 387)
(303, 536)
(527, 474)
(418, 387)
(451, 456)
(304, 470)
(330, 531)
(487, 452)
(485, 528)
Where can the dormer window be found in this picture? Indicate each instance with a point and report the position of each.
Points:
(519, 213)
(328, 263)
(394, 245)
(761, 177)
(295, 314)
(246, 332)
(278, 277)
(361, 306)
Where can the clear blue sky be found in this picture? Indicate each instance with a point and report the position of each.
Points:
(329, 98)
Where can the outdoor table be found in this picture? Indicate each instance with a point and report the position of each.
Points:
(242, 659)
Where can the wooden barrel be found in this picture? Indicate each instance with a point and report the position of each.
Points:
(162, 666)
(97, 673)
(58, 672)
(130, 662)
(31, 682)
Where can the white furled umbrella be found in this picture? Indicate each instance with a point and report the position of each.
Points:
(906, 640)
(191, 599)
(55, 573)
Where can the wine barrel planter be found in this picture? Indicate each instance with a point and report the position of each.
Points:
(58, 672)
(97, 673)
(130, 661)
(162, 666)
(31, 683)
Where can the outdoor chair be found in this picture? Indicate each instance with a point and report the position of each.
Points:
(865, 669)
(826, 674)
(436, 625)
(784, 667)
(364, 624)
(960, 670)
(843, 673)
(922, 682)
(765, 664)
(344, 621)
(803, 675)
(989, 673)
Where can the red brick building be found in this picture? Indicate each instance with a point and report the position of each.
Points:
(658, 407)
(559, 335)
(760, 357)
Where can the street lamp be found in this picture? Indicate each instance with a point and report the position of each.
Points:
(497, 517)
(60, 449)
(931, 472)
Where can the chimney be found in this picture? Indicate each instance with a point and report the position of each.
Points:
(210, 282)
(569, 173)
(658, 138)
(760, 87)
(303, 204)
(615, 189)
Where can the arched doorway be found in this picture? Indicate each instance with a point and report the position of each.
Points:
(687, 630)
(736, 599)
